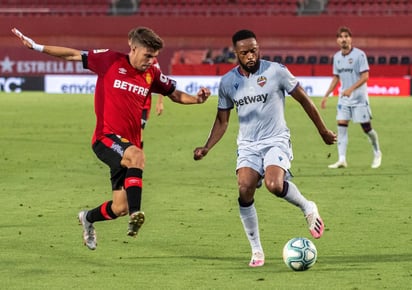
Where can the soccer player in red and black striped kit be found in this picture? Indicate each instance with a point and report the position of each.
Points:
(124, 83)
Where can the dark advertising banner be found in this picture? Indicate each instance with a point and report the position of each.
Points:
(21, 84)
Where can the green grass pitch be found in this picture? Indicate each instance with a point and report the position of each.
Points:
(193, 238)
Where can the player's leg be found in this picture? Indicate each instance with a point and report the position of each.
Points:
(342, 145)
(363, 116)
(110, 209)
(247, 181)
(277, 163)
(344, 114)
(134, 159)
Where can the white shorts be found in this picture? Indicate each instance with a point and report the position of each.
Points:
(259, 156)
(358, 114)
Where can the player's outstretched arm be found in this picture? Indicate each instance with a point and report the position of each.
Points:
(184, 98)
(66, 53)
(217, 132)
(299, 94)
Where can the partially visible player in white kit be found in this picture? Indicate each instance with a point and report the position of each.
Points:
(350, 67)
(257, 89)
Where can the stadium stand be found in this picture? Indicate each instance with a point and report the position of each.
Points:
(218, 7)
(368, 7)
(313, 55)
(54, 7)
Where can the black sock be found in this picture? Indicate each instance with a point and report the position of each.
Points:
(133, 185)
(101, 213)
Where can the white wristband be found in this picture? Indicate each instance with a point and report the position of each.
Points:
(38, 47)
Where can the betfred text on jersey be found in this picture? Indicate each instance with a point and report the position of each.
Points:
(130, 87)
(250, 100)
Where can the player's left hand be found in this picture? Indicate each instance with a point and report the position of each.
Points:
(203, 94)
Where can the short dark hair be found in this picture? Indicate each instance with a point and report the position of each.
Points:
(242, 34)
(343, 29)
(146, 37)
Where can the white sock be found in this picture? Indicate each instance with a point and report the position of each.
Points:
(296, 198)
(373, 138)
(249, 219)
(342, 142)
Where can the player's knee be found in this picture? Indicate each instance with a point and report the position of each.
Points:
(120, 209)
(366, 127)
(246, 192)
(276, 188)
(133, 157)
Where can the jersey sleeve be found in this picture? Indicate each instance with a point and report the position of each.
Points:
(363, 62)
(98, 60)
(287, 80)
(225, 102)
(162, 84)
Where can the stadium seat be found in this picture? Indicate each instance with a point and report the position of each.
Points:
(324, 59)
(382, 60)
(312, 59)
(289, 59)
(300, 59)
(393, 60)
(405, 60)
(277, 58)
(371, 59)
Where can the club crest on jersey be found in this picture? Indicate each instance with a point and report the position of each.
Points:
(148, 78)
(261, 81)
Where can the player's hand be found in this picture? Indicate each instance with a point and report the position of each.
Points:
(200, 152)
(347, 93)
(203, 94)
(159, 106)
(28, 42)
(329, 137)
(323, 103)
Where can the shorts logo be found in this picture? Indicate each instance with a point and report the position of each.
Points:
(261, 81)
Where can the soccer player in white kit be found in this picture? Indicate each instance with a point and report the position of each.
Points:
(257, 89)
(350, 67)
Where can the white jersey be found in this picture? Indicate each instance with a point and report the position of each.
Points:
(259, 100)
(348, 68)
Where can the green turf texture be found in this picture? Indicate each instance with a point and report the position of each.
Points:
(193, 238)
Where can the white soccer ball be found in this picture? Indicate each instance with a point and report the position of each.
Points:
(299, 254)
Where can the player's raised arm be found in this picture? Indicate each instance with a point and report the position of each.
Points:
(66, 53)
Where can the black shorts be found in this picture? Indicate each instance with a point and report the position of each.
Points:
(110, 150)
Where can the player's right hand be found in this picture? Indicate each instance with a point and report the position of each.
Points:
(200, 152)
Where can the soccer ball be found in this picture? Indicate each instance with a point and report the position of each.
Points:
(299, 254)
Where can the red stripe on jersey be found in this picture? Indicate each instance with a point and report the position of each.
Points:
(133, 181)
(107, 142)
(103, 211)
